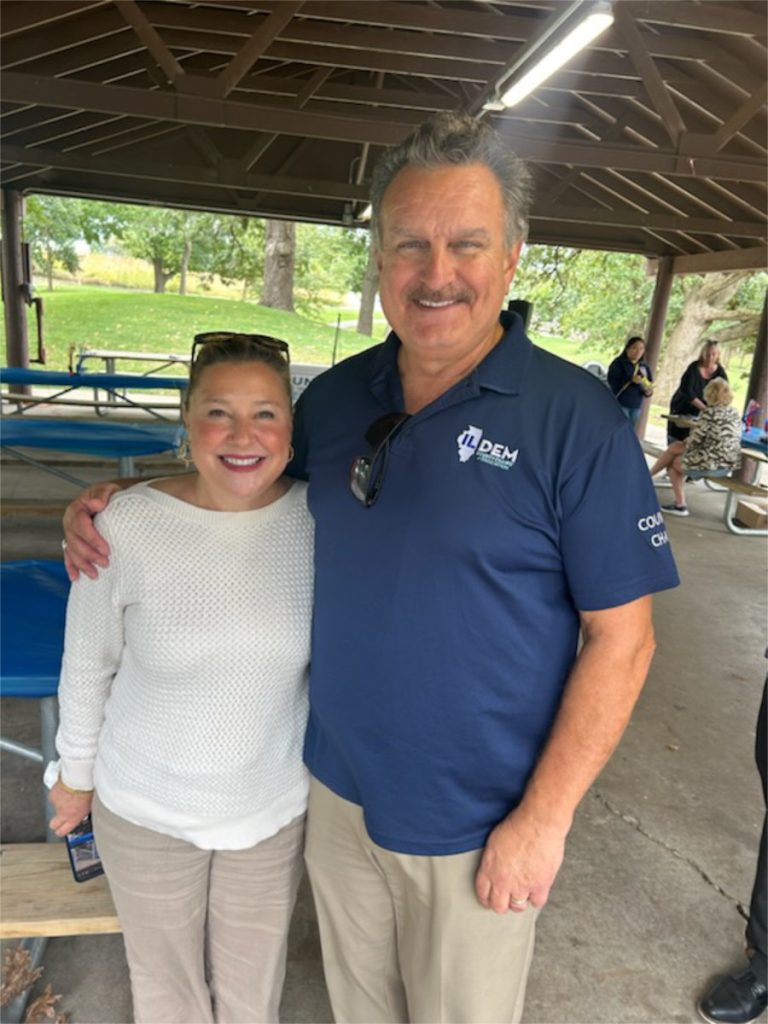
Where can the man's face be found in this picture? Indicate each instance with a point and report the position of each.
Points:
(444, 265)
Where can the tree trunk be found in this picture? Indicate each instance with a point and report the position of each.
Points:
(184, 266)
(703, 301)
(160, 277)
(280, 251)
(368, 295)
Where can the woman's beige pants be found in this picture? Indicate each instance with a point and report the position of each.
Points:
(205, 930)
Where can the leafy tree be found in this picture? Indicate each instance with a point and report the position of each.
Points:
(598, 297)
(233, 248)
(165, 238)
(604, 297)
(328, 259)
(52, 226)
(722, 306)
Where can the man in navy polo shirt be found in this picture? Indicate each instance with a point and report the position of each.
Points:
(453, 728)
(480, 506)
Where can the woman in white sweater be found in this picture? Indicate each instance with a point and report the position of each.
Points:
(183, 699)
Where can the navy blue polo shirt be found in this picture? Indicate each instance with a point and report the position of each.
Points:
(446, 616)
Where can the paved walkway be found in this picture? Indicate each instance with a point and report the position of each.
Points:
(660, 861)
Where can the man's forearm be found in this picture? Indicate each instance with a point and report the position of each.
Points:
(524, 852)
(599, 696)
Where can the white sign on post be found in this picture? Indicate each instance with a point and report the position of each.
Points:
(302, 374)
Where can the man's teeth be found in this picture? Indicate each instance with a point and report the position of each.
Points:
(232, 460)
(436, 305)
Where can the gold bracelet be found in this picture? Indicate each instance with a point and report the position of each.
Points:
(74, 792)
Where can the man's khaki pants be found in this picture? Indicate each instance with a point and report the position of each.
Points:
(205, 930)
(404, 937)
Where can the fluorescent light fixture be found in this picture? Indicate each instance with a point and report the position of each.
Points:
(576, 28)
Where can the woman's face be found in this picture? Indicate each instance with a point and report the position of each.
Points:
(635, 351)
(239, 424)
(712, 357)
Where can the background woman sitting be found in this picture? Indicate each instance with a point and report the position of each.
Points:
(713, 447)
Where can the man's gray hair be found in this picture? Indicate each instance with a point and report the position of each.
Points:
(453, 138)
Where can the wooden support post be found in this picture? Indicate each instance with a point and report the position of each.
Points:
(17, 345)
(654, 332)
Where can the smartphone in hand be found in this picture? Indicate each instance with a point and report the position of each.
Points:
(83, 855)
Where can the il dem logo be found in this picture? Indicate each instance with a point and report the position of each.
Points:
(470, 443)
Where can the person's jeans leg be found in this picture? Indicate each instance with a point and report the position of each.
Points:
(159, 886)
(251, 899)
(355, 914)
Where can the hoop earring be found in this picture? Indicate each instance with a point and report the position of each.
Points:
(184, 452)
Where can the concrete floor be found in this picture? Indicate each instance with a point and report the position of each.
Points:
(659, 866)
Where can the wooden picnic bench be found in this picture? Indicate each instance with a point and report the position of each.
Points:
(736, 487)
(39, 896)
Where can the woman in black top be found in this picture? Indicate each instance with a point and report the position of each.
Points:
(630, 379)
(688, 400)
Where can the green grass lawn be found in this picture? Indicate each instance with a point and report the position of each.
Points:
(114, 318)
(105, 318)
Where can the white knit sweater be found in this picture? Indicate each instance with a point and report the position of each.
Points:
(183, 693)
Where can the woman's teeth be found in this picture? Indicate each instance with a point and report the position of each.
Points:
(232, 460)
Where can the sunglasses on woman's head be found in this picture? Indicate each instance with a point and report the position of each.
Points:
(257, 341)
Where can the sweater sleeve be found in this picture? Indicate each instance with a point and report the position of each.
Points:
(93, 644)
(618, 374)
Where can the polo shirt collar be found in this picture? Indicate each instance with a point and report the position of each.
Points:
(503, 370)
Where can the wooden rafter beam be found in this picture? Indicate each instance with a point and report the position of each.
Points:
(309, 88)
(709, 17)
(753, 258)
(415, 28)
(149, 36)
(25, 17)
(204, 111)
(199, 110)
(740, 117)
(255, 47)
(654, 83)
(228, 174)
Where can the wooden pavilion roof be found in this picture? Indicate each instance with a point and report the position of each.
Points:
(653, 140)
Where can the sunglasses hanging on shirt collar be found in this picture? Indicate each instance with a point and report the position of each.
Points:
(367, 472)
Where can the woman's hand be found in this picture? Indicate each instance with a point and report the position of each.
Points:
(70, 809)
(84, 548)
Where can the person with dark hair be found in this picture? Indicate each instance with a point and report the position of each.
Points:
(183, 699)
(480, 507)
(689, 400)
(630, 379)
(741, 998)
